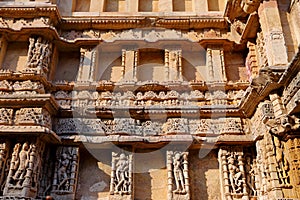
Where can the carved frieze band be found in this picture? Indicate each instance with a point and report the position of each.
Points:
(21, 87)
(148, 128)
(67, 100)
(25, 116)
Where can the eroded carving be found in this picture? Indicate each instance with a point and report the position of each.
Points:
(66, 173)
(177, 164)
(121, 175)
(39, 55)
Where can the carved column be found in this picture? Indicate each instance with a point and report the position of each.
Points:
(178, 176)
(232, 173)
(121, 184)
(273, 33)
(24, 171)
(87, 64)
(173, 61)
(66, 173)
(215, 63)
(132, 5)
(4, 163)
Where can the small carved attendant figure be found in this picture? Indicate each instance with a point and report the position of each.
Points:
(178, 173)
(234, 175)
(62, 171)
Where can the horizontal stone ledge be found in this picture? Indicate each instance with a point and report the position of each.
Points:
(195, 140)
(24, 131)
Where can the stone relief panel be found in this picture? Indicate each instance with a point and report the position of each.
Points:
(178, 177)
(33, 116)
(81, 99)
(232, 167)
(66, 173)
(39, 56)
(129, 126)
(24, 171)
(121, 176)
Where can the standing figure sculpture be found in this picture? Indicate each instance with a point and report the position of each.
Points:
(178, 173)
(122, 175)
(62, 175)
(21, 164)
(235, 176)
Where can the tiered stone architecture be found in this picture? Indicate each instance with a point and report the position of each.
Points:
(149, 99)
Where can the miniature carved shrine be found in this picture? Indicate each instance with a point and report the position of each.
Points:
(150, 99)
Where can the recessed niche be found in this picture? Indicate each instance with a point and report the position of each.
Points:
(115, 6)
(16, 56)
(68, 65)
(148, 5)
(182, 5)
(151, 65)
(82, 5)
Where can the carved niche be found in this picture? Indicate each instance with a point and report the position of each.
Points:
(39, 55)
(178, 177)
(233, 173)
(66, 173)
(24, 171)
(121, 176)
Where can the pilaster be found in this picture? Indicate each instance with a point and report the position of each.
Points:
(273, 34)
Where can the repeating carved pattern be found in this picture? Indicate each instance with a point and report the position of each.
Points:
(81, 99)
(131, 126)
(66, 173)
(33, 116)
(6, 116)
(121, 176)
(178, 178)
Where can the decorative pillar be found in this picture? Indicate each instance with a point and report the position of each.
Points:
(121, 176)
(130, 63)
(271, 26)
(87, 64)
(178, 176)
(215, 63)
(3, 48)
(167, 61)
(4, 155)
(66, 173)
(132, 5)
(173, 61)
